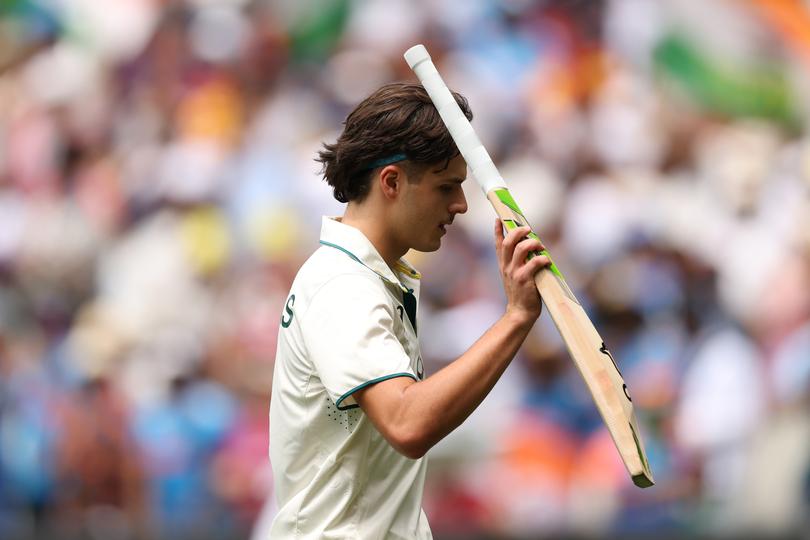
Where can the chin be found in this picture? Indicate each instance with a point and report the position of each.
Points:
(427, 248)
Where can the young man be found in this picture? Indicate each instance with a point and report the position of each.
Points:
(352, 413)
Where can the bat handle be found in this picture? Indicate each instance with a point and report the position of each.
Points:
(460, 129)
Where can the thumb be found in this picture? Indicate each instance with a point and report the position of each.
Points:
(498, 235)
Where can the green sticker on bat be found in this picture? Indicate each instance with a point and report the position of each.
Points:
(506, 198)
(512, 224)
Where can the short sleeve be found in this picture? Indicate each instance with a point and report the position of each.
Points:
(349, 334)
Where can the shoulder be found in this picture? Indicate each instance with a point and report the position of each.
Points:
(356, 288)
(328, 265)
(347, 302)
(333, 277)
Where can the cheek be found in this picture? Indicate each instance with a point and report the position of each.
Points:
(420, 228)
(418, 209)
(428, 217)
(425, 211)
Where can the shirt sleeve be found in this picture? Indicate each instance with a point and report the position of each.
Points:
(349, 334)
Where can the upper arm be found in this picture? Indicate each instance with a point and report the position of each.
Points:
(384, 404)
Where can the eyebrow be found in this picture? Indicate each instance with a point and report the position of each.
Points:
(456, 179)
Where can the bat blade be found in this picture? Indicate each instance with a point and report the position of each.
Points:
(594, 361)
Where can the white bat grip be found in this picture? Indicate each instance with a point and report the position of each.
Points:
(460, 129)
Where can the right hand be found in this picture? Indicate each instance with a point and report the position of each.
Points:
(517, 273)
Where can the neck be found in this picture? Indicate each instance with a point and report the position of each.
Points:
(373, 226)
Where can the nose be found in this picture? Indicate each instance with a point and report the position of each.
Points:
(459, 205)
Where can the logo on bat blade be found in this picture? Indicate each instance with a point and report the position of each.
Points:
(604, 350)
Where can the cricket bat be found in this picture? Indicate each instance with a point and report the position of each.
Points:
(586, 347)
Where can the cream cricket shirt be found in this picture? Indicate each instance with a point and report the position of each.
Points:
(349, 321)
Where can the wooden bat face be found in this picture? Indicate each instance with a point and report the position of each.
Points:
(586, 347)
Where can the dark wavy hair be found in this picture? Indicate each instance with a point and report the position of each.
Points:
(399, 118)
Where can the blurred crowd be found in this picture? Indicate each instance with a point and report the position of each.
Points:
(158, 192)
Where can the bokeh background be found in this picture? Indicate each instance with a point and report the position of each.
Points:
(158, 193)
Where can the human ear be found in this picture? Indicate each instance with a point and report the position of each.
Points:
(391, 179)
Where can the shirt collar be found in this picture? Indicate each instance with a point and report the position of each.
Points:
(355, 244)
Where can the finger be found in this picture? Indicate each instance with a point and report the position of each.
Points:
(498, 235)
(515, 238)
(512, 239)
(538, 263)
(523, 249)
(532, 267)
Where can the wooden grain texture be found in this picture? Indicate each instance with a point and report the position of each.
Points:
(586, 347)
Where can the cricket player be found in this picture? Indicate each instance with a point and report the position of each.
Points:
(352, 413)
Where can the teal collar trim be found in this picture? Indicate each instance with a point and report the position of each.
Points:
(357, 259)
(349, 253)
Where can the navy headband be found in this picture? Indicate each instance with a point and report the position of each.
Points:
(387, 161)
